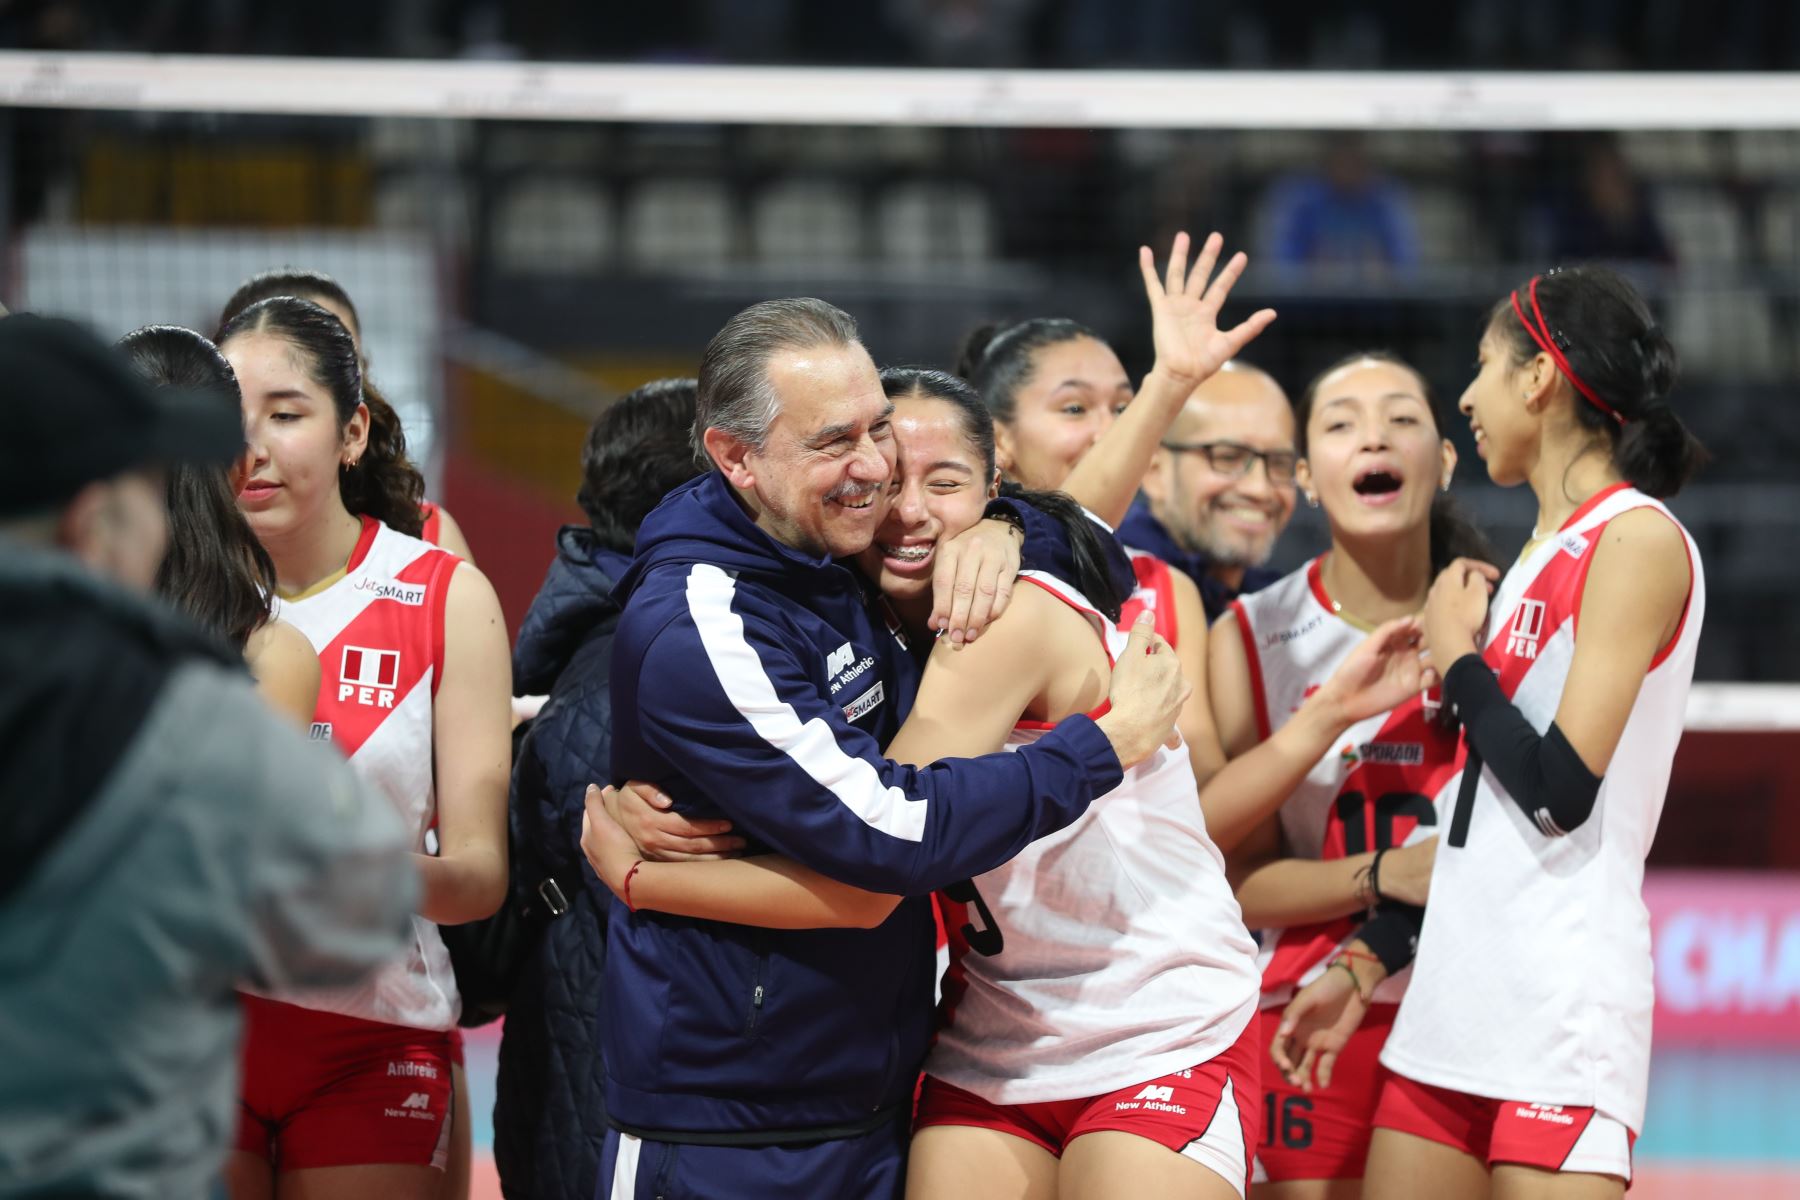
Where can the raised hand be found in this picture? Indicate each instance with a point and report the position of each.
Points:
(1184, 311)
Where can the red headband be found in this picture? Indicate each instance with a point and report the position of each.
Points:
(1540, 333)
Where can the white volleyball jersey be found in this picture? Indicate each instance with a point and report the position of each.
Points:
(1533, 981)
(1376, 788)
(379, 632)
(1108, 953)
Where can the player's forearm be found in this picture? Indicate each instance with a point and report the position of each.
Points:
(1298, 891)
(767, 891)
(463, 887)
(1258, 782)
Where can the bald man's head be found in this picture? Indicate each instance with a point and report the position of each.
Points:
(1194, 484)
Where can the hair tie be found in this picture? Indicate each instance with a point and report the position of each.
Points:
(1540, 333)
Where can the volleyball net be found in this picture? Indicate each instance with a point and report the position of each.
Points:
(526, 239)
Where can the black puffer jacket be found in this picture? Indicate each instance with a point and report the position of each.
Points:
(549, 1117)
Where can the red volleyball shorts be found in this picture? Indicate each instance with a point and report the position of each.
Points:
(1554, 1137)
(324, 1090)
(1323, 1134)
(1207, 1113)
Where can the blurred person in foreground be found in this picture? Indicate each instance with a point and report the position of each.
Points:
(548, 1125)
(164, 836)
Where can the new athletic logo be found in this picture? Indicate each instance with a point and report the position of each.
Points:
(1552, 1113)
(368, 677)
(1154, 1098)
(839, 659)
(417, 1105)
(1527, 628)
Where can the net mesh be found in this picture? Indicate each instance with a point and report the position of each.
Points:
(512, 274)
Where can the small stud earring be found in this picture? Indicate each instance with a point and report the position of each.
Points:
(1312, 501)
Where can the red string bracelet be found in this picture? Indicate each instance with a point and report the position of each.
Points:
(627, 888)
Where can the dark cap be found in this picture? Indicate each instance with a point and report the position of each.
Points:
(73, 413)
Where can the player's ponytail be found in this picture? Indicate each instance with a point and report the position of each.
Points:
(1619, 363)
(383, 483)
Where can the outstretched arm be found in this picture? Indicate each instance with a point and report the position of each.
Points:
(1380, 673)
(1190, 348)
(968, 702)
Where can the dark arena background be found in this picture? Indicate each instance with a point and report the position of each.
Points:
(536, 211)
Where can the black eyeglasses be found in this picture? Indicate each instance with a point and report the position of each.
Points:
(1233, 459)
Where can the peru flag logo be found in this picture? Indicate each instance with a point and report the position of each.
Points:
(369, 676)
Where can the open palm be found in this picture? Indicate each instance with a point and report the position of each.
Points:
(1383, 671)
(1184, 310)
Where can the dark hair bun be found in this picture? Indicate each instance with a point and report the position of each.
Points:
(975, 348)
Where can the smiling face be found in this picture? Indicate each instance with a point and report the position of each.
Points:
(818, 482)
(1374, 456)
(1498, 403)
(940, 487)
(1233, 520)
(296, 443)
(1074, 392)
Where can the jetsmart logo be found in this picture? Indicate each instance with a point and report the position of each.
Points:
(1527, 628)
(389, 589)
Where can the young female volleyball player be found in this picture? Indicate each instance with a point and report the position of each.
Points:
(1521, 1055)
(437, 527)
(216, 571)
(1356, 831)
(347, 1094)
(1103, 981)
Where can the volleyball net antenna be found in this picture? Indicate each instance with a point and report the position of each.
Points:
(524, 240)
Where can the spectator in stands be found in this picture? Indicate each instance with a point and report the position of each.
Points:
(1346, 216)
(548, 1114)
(1220, 488)
(1607, 215)
(164, 837)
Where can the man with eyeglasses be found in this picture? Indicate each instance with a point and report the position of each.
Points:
(1220, 489)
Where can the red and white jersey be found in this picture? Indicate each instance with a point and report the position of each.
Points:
(1155, 591)
(1376, 788)
(1533, 981)
(379, 632)
(1107, 953)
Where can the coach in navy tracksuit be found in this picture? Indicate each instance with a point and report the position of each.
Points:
(752, 681)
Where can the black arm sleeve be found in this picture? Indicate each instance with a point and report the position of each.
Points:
(1543, 774)
(1392, 934)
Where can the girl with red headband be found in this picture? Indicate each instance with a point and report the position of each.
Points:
(1521, 1057)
